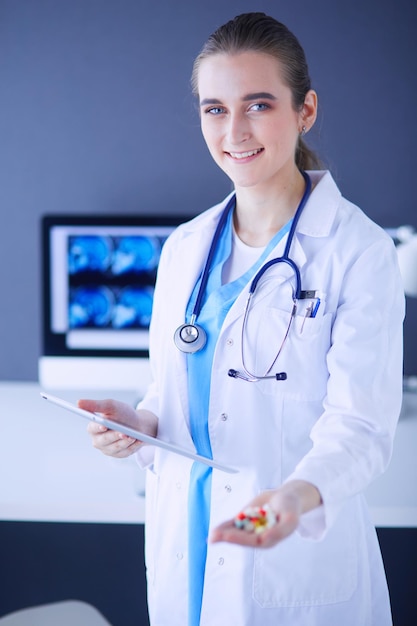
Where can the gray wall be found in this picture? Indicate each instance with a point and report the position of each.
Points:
(97, 117)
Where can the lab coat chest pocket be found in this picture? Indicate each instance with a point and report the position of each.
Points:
(302, 353)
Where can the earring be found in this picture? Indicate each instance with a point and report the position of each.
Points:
(303, 131)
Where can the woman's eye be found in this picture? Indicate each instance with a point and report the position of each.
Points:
(215, 110)
(259, 106)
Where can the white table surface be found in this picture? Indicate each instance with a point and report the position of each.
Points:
(50, 472)
(393, 496)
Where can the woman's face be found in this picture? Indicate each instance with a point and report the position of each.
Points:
(247, 118)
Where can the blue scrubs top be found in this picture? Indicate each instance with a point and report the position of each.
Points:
(217, 301)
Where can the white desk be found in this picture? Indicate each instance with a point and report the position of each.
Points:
(393, 496)
(50, 472)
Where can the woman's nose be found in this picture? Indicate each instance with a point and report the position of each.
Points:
(238, 129)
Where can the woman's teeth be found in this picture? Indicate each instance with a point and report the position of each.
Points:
(244, 155)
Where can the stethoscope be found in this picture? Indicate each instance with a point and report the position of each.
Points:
(191, 337)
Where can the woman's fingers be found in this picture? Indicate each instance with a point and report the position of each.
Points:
(111, 442)
(285, 510)
(265, 539)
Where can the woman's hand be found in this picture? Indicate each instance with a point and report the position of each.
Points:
(288, 503)
(111, 442)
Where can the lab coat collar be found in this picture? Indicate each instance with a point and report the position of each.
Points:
(319, 213)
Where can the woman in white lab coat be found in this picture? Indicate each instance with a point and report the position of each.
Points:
(307, 442)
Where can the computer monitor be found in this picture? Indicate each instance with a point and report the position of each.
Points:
(99, 275)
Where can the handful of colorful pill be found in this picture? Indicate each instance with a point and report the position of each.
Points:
(255, 519)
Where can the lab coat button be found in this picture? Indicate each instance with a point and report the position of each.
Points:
(224, 416)
(229, 342)
(179, 555)
(221, 561)
(228, 488)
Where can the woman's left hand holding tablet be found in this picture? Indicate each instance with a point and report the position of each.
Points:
(111, 442)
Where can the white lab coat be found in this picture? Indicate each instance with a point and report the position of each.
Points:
(331, 423)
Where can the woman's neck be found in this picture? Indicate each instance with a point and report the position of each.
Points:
(260, 214)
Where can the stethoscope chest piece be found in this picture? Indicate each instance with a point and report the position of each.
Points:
(190, 338)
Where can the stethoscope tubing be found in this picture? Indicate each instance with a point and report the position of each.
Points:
(204, 277)
(194, 346)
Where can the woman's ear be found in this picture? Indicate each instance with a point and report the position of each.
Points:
(308, 112)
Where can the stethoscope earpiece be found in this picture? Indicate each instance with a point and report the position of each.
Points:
(190, 338)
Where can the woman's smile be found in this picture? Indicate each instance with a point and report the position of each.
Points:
(240, 156)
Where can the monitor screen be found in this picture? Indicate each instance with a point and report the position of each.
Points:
(99, 276)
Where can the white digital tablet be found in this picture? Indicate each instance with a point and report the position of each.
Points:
(131, 432)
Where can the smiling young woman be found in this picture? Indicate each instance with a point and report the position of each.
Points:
(289, 369)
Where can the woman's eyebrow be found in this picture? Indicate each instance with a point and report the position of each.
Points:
(259, 95)
(209, 101)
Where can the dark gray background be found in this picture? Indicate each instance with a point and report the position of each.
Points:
(97, 117)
